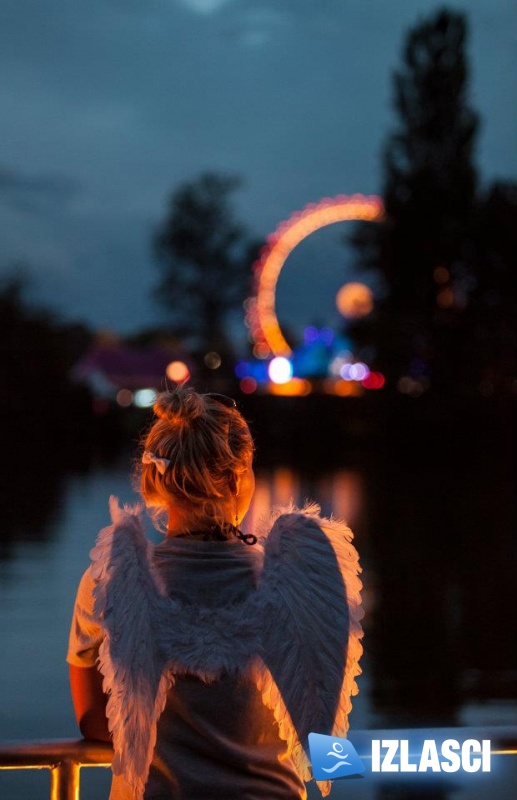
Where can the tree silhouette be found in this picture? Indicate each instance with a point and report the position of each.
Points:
(421, 249)
(205, 256)
(490, 318)
(37, 352)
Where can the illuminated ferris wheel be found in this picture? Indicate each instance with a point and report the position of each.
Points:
(261, 317)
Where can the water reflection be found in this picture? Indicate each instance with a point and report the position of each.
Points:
(39, 458)
(339, 493)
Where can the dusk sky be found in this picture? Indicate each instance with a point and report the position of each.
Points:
(109, 105)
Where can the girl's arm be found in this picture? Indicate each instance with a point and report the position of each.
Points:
(89, 702)
(85, 680)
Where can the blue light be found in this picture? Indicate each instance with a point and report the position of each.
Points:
(242, 369)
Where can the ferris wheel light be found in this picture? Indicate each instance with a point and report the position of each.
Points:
(280, 370)
(260, 311)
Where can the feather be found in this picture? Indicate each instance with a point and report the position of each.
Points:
(310, 610)
(128, 602)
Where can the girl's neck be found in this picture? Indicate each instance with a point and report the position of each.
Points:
(180, 523)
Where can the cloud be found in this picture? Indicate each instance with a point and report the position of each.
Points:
(255, 26)
(204, 6)
(260, 25)
(36, 194)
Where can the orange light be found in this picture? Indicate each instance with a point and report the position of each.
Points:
(343, 388)
(354, 300)
(285, 486)
(260, 309)
(261, 351)
(296, 387)
(260, 505)
(177, 371)
(445, 298)
(441, 275)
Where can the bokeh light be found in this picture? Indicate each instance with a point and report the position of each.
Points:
(414, 387)
(326, 335)
(354, 300)
(375, 380)
(248, 385)
(212, 360)
(177, 371)
(261, 351)
(124, 398)
(445, 298)
(343, 388)
(280, 370)
(295, 387)
(310, 334)
(144, 398)
(441, 274)
(354, 372)
(242, 369)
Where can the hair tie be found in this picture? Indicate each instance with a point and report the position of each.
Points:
(161, 464)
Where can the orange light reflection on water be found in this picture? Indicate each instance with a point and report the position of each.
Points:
(340, 494)
(295, 387)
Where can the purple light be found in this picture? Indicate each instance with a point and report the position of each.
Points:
(355, 372)
(327, 336)
(310, 334)
(359, 371)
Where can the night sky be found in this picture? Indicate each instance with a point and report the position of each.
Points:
(108, 105)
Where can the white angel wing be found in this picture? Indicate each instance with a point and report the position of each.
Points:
(310, 603)
(128, 604)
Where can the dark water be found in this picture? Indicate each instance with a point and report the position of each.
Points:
(438, 594)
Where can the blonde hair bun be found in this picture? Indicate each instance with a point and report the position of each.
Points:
(179, 407)
(203, 445)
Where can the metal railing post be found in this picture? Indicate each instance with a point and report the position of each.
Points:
(64, 781)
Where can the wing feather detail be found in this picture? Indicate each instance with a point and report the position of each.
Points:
(310, 611)
(128, 604)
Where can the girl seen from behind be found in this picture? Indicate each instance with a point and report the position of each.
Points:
(209, 658)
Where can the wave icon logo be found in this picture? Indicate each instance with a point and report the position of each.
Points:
(333, 758)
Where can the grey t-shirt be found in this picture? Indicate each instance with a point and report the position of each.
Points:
(214, 740)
